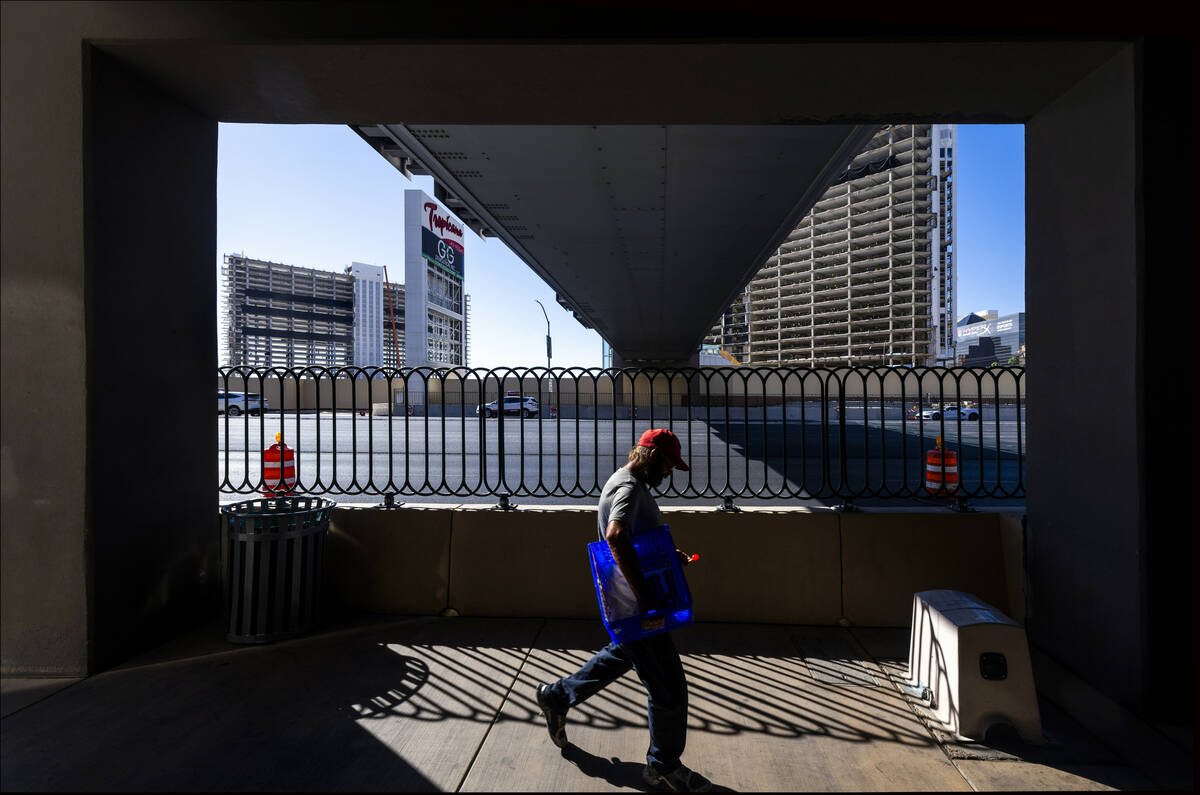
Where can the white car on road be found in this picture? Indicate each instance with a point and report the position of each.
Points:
(512, 405)
(237, 403)
(950, 411)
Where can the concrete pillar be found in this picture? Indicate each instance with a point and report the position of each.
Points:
(43, 585)
(150, 226)
(109, 544)
(1110, 598)
(1085, 513)
(1168, 76)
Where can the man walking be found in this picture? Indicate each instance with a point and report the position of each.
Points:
(626, 509)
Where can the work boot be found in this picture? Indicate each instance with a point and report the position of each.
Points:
(556, 719)
(678, 780)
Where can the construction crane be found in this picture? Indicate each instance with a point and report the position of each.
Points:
(392, 311)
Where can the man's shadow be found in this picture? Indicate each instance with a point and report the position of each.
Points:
(614, 771)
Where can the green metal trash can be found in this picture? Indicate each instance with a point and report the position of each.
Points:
(276, 566)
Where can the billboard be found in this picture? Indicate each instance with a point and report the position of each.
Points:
(442, 242)
(434, 260)
(985, 329)
(989, 328)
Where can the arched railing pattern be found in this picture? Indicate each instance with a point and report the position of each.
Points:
(748, 432)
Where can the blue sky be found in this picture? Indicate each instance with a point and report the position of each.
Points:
(319, 197)
(990, 177)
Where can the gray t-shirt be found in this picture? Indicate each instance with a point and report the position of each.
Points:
(627, 500)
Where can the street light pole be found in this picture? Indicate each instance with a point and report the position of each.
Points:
(550, 381)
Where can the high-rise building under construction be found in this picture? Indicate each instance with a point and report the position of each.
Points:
(867, 278)
(277, 315)
(280, 315)
(378, 304)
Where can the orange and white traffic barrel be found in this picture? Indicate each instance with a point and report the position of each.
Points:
(279, 459)
(941, 471)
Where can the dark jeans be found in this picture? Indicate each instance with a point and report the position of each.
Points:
(657, 664)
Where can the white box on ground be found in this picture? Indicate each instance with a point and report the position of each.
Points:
(973, 663)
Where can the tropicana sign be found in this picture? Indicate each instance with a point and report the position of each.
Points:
(442, 223)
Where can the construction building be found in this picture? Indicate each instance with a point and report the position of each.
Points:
(280, 315)
(276, 315)
(867, 278)
(378, 304)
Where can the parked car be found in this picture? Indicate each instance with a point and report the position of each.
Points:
(237, 402)
(950, 411)
(526, 406)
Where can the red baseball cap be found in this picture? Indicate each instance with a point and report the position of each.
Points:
(666, 443)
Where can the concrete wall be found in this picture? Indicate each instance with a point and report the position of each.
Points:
(44, 555)
(1086, 515)
(886, 558)
(1168, 205)
(774, 566)
(154, 559)
(393, 561)
(108, 543)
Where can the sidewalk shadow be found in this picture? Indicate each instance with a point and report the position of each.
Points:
(614, 771)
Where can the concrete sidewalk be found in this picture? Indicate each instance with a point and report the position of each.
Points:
(447, 704)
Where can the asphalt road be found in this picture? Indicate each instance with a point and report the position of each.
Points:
(758, 459)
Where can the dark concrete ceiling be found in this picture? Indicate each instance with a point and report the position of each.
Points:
(645, 232)
(312, 81)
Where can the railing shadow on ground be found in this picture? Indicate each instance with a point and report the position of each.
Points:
(1068, 746)
(775, 692)
(329, 712)
(408, 671)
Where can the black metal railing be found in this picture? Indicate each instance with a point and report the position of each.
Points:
(846, 433)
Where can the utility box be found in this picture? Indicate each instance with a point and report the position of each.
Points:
(972, 664)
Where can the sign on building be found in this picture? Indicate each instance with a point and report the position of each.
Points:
(442, 243)
(434, 267)
(997, 340)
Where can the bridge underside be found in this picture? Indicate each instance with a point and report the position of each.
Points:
(646, 232)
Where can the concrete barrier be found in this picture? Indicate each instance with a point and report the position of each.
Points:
(888, 557)
(390, 561)
(1012, 543)
(760, 565)
(527, 562)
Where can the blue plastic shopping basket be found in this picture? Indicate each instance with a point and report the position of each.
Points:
(661, 571)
